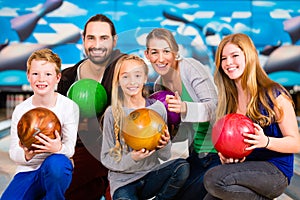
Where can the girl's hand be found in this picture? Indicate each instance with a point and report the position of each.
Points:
(48, 145)
(225, 160)
(164, 139)
(257, 140)
(175, 104)
(141, 154)
(29, 154)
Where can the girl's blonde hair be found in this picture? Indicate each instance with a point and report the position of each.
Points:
(117, 103)
(254, 79)
(46, 55)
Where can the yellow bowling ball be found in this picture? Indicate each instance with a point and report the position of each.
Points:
(143, 128)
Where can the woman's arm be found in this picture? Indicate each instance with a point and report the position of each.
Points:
(290, 143)
(199, 84)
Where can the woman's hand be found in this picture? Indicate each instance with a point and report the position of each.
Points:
(225, 160)
(175, 104)
(256, 140)
(48, 145)
(141, 154)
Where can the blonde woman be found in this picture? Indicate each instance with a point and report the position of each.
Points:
(195, 100)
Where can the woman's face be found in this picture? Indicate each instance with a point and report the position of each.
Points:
(132, 78)
(233, 61)
(160, 55)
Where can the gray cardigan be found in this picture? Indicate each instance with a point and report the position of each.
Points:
(198, 81)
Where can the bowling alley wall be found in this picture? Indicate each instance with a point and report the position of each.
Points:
(198, 27)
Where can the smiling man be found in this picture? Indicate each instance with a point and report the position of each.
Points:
(99, 40)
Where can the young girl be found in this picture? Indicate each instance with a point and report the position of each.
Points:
(137, 174)
(44, 173)
(245, 88)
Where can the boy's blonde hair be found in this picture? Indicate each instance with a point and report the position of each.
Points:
(46, 55)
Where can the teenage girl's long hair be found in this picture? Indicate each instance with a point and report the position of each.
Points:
(254, 80)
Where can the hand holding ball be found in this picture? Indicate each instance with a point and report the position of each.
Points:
(173, 118)
(227, 135)
(143, 129)
(35, 121)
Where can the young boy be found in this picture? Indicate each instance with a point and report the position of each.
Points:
(46, 171)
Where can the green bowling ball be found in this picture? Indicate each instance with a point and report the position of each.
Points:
(90, 96)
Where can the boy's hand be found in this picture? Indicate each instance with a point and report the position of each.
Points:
(48, 145)
(29, 154)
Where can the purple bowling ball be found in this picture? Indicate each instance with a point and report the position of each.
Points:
(173, 118)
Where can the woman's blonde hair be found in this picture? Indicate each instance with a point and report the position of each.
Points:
(254, 79)
(117, 104)
(163, 34)
(166, 35)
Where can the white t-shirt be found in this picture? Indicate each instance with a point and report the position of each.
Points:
(67, 112)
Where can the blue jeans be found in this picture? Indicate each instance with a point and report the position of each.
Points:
(193, 188)
(50, 181)
(248, 180)
(163, 183)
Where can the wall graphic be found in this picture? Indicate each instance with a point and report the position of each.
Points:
(197, 25)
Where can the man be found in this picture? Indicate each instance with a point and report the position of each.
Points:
(99, 40)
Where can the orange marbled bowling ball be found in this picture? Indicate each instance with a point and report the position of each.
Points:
(143, 129)
(35, 121)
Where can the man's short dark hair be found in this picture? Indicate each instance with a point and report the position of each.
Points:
(101, 18)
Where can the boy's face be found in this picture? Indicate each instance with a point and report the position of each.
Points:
(42, 77)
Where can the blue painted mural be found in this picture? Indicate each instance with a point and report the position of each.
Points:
(198, 27)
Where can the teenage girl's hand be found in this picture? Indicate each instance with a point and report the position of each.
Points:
(48, 145)
(29, 154)
(141, 154)
(175, 104)
(257, 140)
(164, 139)
(225, 160)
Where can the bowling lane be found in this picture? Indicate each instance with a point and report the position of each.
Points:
(7, 166)
(4, 128)
(293, 189)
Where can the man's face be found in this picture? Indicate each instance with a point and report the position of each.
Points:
(98, 42)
